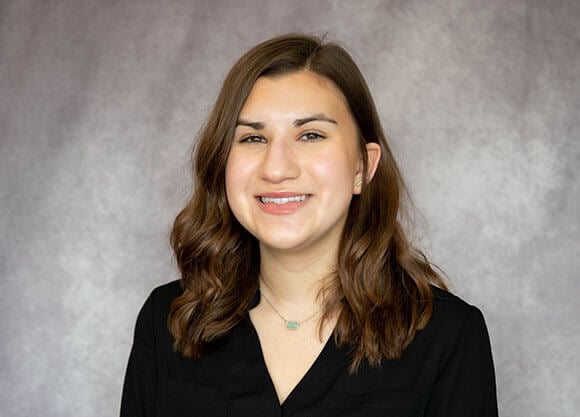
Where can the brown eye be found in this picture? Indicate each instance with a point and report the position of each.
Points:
(311, 137)
(253, 139)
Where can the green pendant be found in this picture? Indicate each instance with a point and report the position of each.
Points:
(292, 325)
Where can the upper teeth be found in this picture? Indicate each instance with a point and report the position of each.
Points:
(282, 200)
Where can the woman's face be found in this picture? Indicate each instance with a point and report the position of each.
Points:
(294, 163)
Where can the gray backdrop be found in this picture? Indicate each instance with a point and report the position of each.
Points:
(100, 101)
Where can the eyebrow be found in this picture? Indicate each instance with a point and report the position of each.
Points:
(253, 125)
(319, 117)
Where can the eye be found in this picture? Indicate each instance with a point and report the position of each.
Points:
(311, 137)
(252, 139)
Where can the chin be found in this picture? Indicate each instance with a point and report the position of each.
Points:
(289, 245)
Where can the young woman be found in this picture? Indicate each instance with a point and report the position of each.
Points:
(300, 293)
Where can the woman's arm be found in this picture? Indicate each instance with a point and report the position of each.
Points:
(465, 384)
(139, 390)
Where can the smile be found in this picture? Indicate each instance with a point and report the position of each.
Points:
(283, 200)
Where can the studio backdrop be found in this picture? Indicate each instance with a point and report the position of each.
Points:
(100, 102)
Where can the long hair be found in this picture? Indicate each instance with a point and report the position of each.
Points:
(382, 285)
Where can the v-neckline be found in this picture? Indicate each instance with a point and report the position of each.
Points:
(309, 380)
(306, 384)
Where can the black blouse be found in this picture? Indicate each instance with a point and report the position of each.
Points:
(447, 371)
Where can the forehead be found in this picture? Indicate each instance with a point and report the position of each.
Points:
(305, 89)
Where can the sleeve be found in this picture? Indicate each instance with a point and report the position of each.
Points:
(139, 389)
(465, 385)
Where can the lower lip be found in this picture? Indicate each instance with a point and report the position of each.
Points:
(278, 209)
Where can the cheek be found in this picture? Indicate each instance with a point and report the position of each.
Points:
(232, 177)
(336, 171)
(233, 166)
(237, 179)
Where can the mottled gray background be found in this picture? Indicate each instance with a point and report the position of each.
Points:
(100, 100)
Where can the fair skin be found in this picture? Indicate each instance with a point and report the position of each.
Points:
(291, 174)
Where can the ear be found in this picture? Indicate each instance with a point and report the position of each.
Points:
(373, 158)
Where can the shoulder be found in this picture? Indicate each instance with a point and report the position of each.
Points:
(453, 319)
(450, 307)
(164, 294)
(154, 312)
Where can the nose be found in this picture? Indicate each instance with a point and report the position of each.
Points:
(279, 162)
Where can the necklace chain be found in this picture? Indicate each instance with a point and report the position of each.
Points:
(290, 324)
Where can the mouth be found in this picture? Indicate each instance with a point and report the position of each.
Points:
(282, 203)
(282, 200)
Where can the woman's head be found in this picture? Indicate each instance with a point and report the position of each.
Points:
(273, 59)
(295, 164)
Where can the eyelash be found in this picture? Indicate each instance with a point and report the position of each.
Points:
(318, 136)
(260, 139)
(252, 139)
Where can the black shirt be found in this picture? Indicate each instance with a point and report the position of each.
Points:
(447, 371)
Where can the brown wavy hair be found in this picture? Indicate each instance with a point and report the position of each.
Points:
(382, 285)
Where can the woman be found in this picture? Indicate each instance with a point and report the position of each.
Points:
(300, 293)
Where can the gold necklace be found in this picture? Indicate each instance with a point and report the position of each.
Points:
(290, 324)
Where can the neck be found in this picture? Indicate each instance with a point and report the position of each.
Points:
(294, 282)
